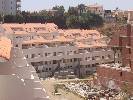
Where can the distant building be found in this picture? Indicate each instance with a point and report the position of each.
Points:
(51, 11)
(129, 16)
(123, 14)
(96, 8)
(10, 7)
(108, 16)
(111, 16)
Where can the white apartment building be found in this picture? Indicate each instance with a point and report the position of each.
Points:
(60, 52)
(9, 7)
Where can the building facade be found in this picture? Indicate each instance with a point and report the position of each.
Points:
(96, 8)
(9, 7)
(55, 52)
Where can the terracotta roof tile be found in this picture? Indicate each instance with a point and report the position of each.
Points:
(5, 47)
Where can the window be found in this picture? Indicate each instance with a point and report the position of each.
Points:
(93, 65)
(75, 59)
(121, 74)
(88, 66)
(75, 52)
(26, 56)
(18, 37)
(46, 62)
(49, 54)
(54, 62)
(49, 69)
(89, 49)
(49, 62)
(54, 54)
(86, 58)
(102, 57)
(33, 45)
(93, 58)
(39, 54)
(97, 57)
(64, 60)
(40, 63)
(43, 70)
(33, 56)
(16, 45)
(130, 51)
(46, 54)
(109, 56)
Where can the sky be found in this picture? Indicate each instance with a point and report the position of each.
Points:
(31, 5)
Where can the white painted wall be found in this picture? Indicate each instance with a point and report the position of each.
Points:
(8, 7)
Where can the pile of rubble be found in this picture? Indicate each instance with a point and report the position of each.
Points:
(90, 93)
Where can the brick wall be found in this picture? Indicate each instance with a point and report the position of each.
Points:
(123, 39)
(120, 78)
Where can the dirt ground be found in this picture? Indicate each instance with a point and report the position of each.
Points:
(49, 86)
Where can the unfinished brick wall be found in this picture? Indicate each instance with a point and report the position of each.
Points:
(120, 77)
(123, 39)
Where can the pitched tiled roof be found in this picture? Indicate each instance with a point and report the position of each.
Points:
(5, 47)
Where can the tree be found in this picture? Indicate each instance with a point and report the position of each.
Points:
(26, 16)
(84, 21)
(9, 18)
(19, 18)
(1, 19)
(59, 17)
(72, 11)
(60, 10)
(72, 21)
(74, 18)
(81, 8)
